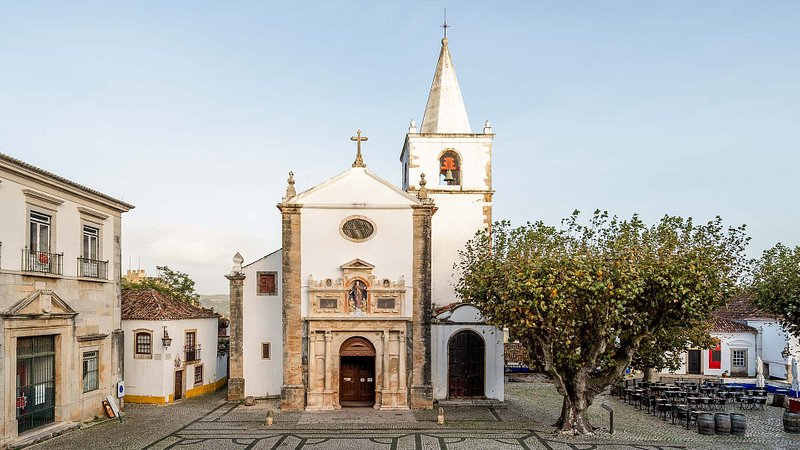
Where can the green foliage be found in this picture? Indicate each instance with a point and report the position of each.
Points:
(171, 282)
(587, 296)
(776, 285)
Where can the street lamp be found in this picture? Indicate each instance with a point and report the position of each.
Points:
(166, 340)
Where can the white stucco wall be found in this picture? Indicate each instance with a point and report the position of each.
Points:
(460, 208)
(324, 249)
(155, 377)
(467, 318)
(728, 341)
(771, 341)
(262, 321)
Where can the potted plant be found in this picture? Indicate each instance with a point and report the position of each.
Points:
(725, 374)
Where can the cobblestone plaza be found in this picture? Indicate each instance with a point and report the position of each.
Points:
(522, 423)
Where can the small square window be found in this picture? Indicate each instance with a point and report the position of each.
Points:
(266, 283)
(266, 350)
(328, 303)
(144, 343)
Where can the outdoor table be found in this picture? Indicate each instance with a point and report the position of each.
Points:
(693, 402)
(746, 402)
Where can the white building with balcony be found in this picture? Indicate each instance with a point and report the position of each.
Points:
(172, 348)
(60, 324)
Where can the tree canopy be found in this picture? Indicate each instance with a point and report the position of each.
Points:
(776, 285)
(171, 282)
(587, 296)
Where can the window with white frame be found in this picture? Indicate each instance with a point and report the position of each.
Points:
(39, 232)
(144, 344)
(91, 243)
(90, 371)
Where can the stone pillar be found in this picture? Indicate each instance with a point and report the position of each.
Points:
(293, 391)
(312, 362)
(421, 388)
(236, 368)
(385, 362)
(328, 361)
(402, 363)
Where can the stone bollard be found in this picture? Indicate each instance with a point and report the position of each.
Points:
(269, 418)
(249, 400)
(440, 417)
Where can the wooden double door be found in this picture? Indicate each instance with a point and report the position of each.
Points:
(357, 381)
(466, 365)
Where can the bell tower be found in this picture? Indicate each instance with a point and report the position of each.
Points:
(458, 166)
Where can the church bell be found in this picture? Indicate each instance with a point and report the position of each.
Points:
(448, 176)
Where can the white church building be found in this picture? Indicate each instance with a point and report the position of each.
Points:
(358, 307)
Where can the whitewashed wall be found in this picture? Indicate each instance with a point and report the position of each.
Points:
(262, 322)
(356, 192)
(460, 214)
(771, 341)
(155, 377)
(727, 342)
(467, 318)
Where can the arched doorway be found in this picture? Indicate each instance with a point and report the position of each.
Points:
(465, 370)
(357, 373)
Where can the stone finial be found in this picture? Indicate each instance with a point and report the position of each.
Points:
(237, 263)
(487, 127)
(290, 192)
(412, 127)
(423, 191)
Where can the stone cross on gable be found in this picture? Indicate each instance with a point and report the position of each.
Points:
(359, 162)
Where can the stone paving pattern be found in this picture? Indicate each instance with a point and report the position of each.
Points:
(210, 422)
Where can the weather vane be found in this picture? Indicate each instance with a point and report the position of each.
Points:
(445, 25)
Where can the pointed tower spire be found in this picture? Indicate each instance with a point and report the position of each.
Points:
(445, 111)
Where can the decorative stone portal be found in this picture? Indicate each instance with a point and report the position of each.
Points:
(357, 363)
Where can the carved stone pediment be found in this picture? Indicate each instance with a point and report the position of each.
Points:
(357, 264)
(41, 302)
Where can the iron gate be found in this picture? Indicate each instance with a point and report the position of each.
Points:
(36, 389)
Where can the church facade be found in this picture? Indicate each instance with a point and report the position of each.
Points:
(358, 307)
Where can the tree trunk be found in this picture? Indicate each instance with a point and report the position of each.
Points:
(648, 374)
(574, 419)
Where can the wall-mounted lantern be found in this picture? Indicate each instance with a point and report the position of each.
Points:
(166, 340)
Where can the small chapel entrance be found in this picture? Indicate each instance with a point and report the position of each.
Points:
(465, 369)
(357, 373)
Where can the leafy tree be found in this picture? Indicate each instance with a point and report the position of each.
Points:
(776, 285)
(171, 282)
(587, 296)
(663, 349)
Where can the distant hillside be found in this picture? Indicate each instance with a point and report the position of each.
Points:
(220, 303)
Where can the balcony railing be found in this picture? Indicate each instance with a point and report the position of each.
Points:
(192, 353)
(42, 262)
(92, 268)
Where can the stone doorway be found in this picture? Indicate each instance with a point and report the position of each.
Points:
(36, 389)
(357, 373)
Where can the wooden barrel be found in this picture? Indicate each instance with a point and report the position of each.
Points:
(779, 400)
(705, 423)
(791, 422)
(738, 424)
(722, 422)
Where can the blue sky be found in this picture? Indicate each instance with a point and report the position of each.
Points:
(195, 111)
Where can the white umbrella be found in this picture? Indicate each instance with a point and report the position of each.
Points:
(795, 382)
(759, 372)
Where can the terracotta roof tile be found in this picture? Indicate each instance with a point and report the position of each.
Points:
(741, 307)
(722, 325)
(150, 304)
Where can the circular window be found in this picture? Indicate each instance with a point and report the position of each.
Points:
(358, 229)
